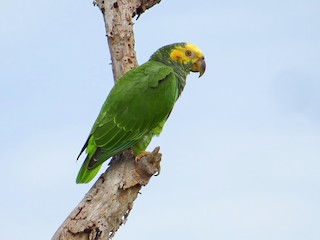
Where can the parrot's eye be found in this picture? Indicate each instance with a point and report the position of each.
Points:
(188, 53)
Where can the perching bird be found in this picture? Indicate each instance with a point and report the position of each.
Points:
(139, 104)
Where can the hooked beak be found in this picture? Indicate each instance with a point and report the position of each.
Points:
(199, 66)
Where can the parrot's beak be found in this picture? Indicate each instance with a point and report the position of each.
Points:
(199, 66)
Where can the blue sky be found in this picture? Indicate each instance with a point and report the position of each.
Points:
(240, 150)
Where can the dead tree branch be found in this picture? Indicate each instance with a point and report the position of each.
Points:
(108, 203)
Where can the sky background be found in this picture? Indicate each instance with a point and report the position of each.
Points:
(241, 149)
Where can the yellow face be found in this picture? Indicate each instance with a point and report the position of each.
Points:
(190, 53)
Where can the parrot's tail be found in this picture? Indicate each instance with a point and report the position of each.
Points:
(85, 175)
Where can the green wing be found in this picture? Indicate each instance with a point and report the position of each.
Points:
(139, 102)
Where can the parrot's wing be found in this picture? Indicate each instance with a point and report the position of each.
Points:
(138, 103)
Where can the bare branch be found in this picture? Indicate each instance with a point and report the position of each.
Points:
(119, 28)
(108, 203)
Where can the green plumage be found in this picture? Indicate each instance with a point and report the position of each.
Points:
(134, 111)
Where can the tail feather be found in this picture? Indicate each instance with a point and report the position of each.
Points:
(85, 175)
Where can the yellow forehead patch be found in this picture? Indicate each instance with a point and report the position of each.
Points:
(179, 53)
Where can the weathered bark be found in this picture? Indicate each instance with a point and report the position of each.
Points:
(118, 16)
(108, 203)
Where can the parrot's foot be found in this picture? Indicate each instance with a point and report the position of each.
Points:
(141, 155)
(153, 158)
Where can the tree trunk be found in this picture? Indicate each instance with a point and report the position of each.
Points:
(108, 203)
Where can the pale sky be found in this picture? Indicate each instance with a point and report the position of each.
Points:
(241, 148)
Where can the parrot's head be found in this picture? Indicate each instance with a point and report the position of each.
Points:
(187, 55)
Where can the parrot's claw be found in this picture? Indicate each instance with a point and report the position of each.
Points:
(158, 170)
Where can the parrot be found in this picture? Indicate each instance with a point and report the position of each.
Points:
(138, 105)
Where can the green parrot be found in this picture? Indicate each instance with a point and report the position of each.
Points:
(139, 104)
